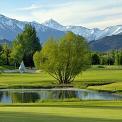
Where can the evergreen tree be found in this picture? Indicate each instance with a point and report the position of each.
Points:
(117, 58)
(29, 43)
(95, 59)
(120, 57)
(5, 54)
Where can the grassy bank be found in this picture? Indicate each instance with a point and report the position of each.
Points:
(87, 111)
(88, 78)
(113, 87)
(21, 80)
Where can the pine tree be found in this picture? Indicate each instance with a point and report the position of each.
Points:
(29, 43)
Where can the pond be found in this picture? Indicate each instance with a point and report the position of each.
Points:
(36, 95)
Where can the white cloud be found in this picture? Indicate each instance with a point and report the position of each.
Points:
(32, 7)
(80, 15)
(105, 23)
(75, 13)
(64, 14)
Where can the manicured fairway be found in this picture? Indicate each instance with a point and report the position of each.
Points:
(89, 75)
(110, 87)
(87, 111)
(43, 79)
(84, 111)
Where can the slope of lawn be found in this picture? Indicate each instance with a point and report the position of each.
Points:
(25, 79)
(109, 87)
(87, 111)
(43, 79)
(101, 75)
(83, 111)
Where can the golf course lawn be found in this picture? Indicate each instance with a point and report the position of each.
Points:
(42, 79)
(86, 111)
(79, 111)
(109, 87)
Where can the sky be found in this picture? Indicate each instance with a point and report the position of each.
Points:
(87, 13)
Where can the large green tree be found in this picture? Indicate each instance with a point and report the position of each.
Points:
(5, 54)
(27, 43)
(64, 59)
(95, 59)
(36, 58)
(16, 54)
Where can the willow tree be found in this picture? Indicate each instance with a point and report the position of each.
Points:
(64, 59)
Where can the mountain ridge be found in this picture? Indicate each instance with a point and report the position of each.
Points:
(107, 43)
(9, 28)
(89, 34)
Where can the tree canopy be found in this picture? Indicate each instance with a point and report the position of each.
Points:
(5, 54)
(25, 45)
(65, 58)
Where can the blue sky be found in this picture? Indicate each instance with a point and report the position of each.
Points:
(88, 13)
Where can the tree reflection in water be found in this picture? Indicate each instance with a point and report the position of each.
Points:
(62, 94)
(24, 97)
(1, 95)
(31, 96)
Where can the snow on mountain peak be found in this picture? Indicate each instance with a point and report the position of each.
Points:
(2, 16)
(89, 34)
(51, 22)
(51, 25)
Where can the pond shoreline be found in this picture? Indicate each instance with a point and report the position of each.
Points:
(57, 87)
(54, 94)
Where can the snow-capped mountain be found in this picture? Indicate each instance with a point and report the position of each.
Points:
(53, 24)
(109, 31)
(9, 28)
(89, 34)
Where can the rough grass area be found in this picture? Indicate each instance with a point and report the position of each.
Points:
(87, 111)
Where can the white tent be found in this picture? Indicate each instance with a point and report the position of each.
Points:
(22, 67)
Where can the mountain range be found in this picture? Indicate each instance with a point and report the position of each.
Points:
(9, 28)
(89, 34)
(107, 43)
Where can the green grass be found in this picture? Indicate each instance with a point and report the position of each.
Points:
(97, 79)
(87, 111)
(6, 67)
(17, 79)
(42, 79)
(109, 87)
(56, 111)
(111, 67)
(101, 75)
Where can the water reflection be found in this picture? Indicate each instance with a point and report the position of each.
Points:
(1, 95)
(24, 97)
(31, 96)
(62, 94)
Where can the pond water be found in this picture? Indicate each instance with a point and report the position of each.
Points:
(35, 95)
